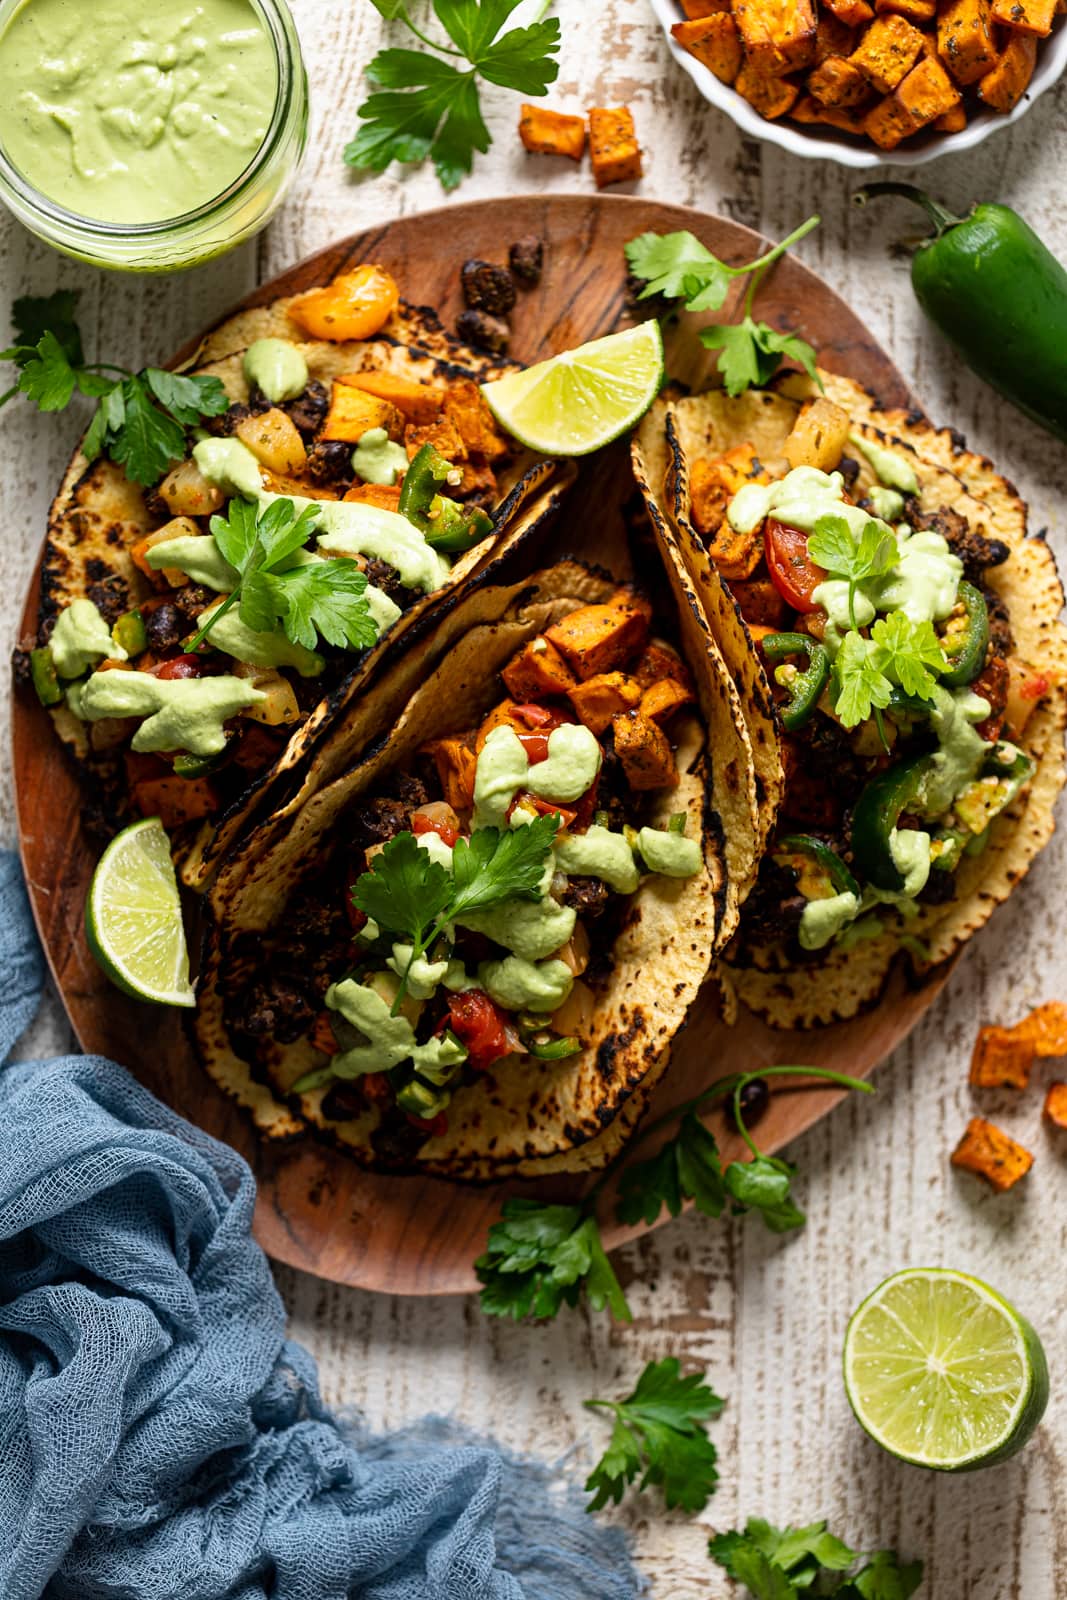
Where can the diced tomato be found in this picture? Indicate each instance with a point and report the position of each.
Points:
(534, 716)
(444, 830)
(544, 808)
(479, 1025)
(436, 1127)
(792, 570)
(536, 747)
(179, 667)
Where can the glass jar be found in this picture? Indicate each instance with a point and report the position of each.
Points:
(213, 228)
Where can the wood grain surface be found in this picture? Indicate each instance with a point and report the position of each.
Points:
(764, 1316)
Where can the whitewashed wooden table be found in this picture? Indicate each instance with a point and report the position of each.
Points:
(764, 1316)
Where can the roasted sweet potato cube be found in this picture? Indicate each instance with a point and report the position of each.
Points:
(598, 699)
(597, 639)
(416, 402)
(965, 39)
(1026, 16)
(806, 110)
(386, 496)
(455, 762)
(886, 52)
(1005, 85)
(928, 92)
(713, 484)
(715, 41)
(1046, 1029)
(661, 700)
(658, 661)
(505, 714)
(771, 97)
(552, 133)
(1055, 1107)
(353, 413)
(704, 8)
(760, 603)
(465, 408)
(613, 148)
(832, 38)
(737, 555)
(537, 670)
(853, 13)
(953, 121)
(819, 435)
(442, 434)
(642, 747)
(986, 1150)
(917, 11)
(778, 35)
(1001, 1059)
(476, 477)
(839, 83)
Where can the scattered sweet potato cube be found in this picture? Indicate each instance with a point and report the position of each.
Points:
(838, 83)
(537, 670)
(1004, 86)
(853, 13)
(552, 133)
(353, 413)
(704, 8)
(613, 147)
(992, 1154)
(1055, 1107)
(778, 35)
(442, 434)
(657, 661)
(1001, 1060)
(760, 603)
(1026, 16)
(953, 121)
(965, 39)
(465, 407)
(887, 51)
(597, 639)
(818, 436)
(416, 402)
(715, 41)
(832, 38)
(661, 700)
(918, 11)
(456, 763)
(1046, 1029)
(598, 699)
(642, 747)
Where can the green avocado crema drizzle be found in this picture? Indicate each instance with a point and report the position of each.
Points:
(132, 113)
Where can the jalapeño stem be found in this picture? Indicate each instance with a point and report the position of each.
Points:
(939, 215)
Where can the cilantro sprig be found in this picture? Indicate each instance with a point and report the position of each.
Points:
(788, 1563)
(900, 654)
(676, 266)
(141, 418)
(429, 105)
(660, 1434)
(407, 893)
(540, 1257)
(272, 590)
(832, 545)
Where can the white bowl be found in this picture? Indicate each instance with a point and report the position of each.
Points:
(826, 144)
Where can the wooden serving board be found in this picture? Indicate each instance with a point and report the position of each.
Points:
(316, 1209)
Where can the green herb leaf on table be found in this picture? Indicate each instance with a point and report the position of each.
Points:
(763, 1185)
(425, 106)
(141, 418)
(788, 1563)
(541, 1257)
(659, 1433)
(687, 1167)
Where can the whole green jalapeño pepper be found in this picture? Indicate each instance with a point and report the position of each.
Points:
(804, 687)
(999, 296)
(966, 650)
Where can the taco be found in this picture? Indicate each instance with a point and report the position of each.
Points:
(585, 745)
(406, 485)
(884, 591)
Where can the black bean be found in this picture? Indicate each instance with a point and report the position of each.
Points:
(487, 287)
(309, 408)
(486, 332)
(164, 626)
(329, 461)
(526, 259)
(755, 1098)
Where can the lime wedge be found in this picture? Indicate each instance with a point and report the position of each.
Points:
(942, 1372)
(580, 400)
(133, 917)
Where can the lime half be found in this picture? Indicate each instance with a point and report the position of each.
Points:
(580, 400)
(133, 917)
(942, 1372)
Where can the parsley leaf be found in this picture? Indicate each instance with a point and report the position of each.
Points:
(424, 106)
(788, 1563)
(659, 1430)
(500, 864)
(832, 545)
(762, 1185)
(539, 1257)
(909, 653)
(314, 599)
(405, 890)
(686, 1168)
(140, 419)
(858, 683)
(679, 267)
(752, 352)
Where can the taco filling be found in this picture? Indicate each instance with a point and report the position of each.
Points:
(468, 917)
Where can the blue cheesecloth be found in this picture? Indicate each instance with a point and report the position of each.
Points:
(160, 1438)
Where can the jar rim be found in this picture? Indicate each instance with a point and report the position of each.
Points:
(281, 31)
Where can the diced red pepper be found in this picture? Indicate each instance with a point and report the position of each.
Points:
(533, 715)
(423, 824)
(544, 808)
(436, 1127)
(479, 1025)
(179, 667)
